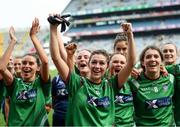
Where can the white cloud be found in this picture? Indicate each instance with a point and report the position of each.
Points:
(20, 13)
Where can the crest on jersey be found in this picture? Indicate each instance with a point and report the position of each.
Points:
(165, 87)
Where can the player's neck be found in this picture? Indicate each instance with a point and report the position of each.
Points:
(152, 76)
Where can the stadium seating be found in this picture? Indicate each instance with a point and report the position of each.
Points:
(154, 22)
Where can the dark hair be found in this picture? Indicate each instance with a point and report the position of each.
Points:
(102, 52)
(142, 55)
(119, 37)
(35, 56)
(170, 43)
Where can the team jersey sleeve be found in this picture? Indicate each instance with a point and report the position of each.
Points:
(48, 100)
(113, 81)
(133, 83)
(10, 89)
(170, 69)
(46, 87)
(177, 69)
(76, 70)
(174, 69)
(74, 83)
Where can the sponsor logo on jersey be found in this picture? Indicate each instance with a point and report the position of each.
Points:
(145, 89)
(158, 103)
(26, 95)
(62, 92)
(123, 98)
(99, 102)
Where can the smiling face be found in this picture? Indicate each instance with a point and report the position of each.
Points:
(29, 68)
(116, 63)
(10, 63)
(151, 62)
(169, 54)
(17, 65)
(121, 47)
(82, 61)
(98, 66)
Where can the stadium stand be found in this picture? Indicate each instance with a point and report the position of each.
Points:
(97, 22)
(24, 44)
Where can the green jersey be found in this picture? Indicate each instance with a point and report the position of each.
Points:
(76, 70)
(175, 70)
(93, 104)
(124, 109)
(27, 105)
(68, 121)
(153, 100)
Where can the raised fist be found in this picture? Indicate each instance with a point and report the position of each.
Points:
(71, 48)
(127, 27)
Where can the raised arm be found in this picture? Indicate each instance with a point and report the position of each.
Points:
(7, 76)
(131, 57)
(71, 49)
(42, 54)
(60, 64)
(61, 46)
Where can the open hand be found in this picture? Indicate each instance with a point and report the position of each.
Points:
(12, 34)
(35, 27)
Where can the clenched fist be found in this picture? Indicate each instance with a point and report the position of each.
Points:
(71, 48)
(127, 27)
